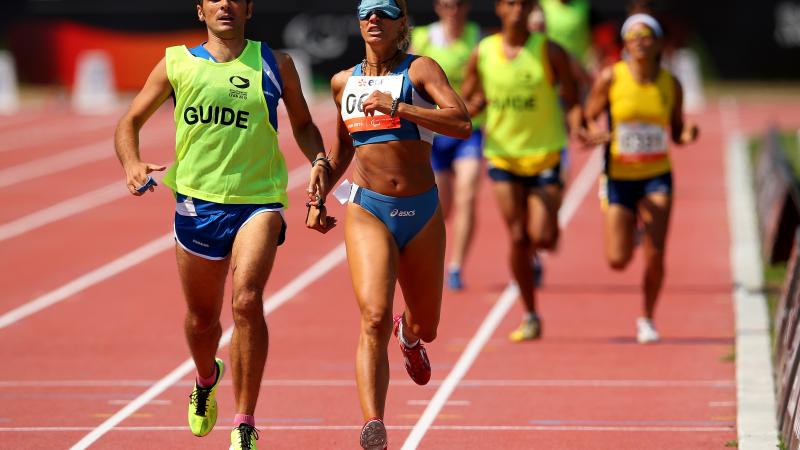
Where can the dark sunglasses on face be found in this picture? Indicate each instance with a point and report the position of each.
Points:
(380, 13)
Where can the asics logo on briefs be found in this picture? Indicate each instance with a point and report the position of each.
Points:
(514, 102)
(239, 82)
(216, 115)
(399, 213)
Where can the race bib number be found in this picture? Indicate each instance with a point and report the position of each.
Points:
(641, 141)
(357, 90)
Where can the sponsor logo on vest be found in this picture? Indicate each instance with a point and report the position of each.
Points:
(516, 102)
(216, 115)
(239, 82)
(400, 213)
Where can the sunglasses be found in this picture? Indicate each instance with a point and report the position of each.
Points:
(380, 13)
(642, 33)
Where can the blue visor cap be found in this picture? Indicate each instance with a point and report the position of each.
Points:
(387, 9)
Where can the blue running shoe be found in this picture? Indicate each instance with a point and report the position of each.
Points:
(454, 279)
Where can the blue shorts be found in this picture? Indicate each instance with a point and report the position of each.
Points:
(541, 179)
(628, 193)
(207, 229)
(447, 149)
(405, 217)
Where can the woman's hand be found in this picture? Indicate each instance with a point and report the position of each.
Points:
(318, 179)
(318, 219)
(378, 101)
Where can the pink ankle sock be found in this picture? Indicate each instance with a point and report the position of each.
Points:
(244, 418)
(207, 382)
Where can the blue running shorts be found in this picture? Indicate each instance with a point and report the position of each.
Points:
(447, 149)
(207, 229)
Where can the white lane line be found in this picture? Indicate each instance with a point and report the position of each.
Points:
(62, 210)
(74, 157)
(92, 278)
(24, 139)
(544, 383)
(322, 267)
(56, 163)
(755, 394)
(603, 383)
(152, 402)
(68, 208)
(580, 187)
(263, 427)
(574, 197)
(297, 177)
(721, 404)
(448, 403)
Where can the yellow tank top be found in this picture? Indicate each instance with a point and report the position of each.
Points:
(524, 131)
(640, 119)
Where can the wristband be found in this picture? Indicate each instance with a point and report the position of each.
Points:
(327, 164)
(395, 104)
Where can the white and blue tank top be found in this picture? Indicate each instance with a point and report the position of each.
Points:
(381, 127)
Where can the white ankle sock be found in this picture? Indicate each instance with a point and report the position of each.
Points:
(403, 338)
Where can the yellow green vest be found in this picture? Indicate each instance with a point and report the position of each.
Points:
(568, 25)
(226, 150)
(452, 58)
(525, 129)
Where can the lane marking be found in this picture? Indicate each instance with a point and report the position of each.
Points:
(88, 280)
(297, 177)
(68, 208)
(286, 293)
(755, 393)
(62, 210)
(78, 156)
(574, 197)
(721, 404)
(726, 422)
(25, 139)
(261, 427)
(152, 402)
(448, 403)
(327, 383)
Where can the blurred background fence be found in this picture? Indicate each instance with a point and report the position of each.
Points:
(737, 39)
(778, 203)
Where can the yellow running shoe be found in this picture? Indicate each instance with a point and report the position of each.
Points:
(243, 437)
(529, 329)
(203, 405)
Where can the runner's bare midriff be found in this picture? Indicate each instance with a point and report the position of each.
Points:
(396, 168)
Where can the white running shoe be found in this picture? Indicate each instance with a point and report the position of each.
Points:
(645, 331)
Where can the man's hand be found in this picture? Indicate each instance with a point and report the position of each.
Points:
(136, 176)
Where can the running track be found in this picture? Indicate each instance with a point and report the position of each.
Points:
(91, 314)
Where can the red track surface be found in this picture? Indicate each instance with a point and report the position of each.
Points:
(587, 384)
